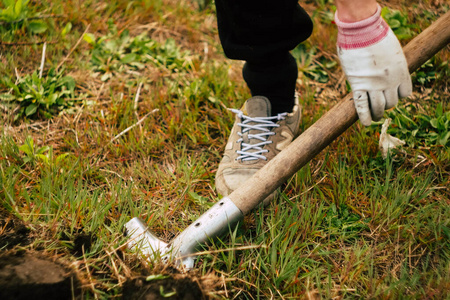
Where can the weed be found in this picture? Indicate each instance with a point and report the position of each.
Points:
(33, 154)
(39, 96)
(17, 16)
(419, 129)
(398, 22)
(14, 11)
(430, 72)
(343, 221)
(42, 154)
(124, 54)
(312, 66)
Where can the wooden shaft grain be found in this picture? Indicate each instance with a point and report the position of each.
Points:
(428, 43)
(330, 126)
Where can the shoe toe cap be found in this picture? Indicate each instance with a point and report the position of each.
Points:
(231, 179)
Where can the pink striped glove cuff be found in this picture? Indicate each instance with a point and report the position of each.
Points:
(362, 33)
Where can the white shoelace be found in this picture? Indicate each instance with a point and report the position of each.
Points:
(264, 125)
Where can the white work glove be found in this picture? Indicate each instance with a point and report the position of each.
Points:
(376, 68)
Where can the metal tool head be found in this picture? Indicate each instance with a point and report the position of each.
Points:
(143, 240)
(181, 250)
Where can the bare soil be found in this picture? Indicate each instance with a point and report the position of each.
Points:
(29, 276)
(12, 231)
(35, 275)
(174, 287)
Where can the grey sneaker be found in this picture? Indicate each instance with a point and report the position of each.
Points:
(256, 137)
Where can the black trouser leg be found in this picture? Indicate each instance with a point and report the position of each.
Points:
(262, 32)
(275, 80)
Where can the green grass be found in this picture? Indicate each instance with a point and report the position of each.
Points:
(349, 224)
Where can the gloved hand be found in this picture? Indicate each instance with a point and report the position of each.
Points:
(376, 68)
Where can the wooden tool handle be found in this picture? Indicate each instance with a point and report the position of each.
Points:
(330, 126)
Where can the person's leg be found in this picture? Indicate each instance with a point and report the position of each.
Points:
(275, 80)
(262, 32)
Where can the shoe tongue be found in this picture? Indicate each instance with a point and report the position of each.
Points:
(257, 106)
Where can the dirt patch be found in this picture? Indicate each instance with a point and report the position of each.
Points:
(30, 276)
(81, 241)
(170, 287)
(36, 274)
(13, 231)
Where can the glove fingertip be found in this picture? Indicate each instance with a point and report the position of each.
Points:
(361, 101)
(378, 104)
(405, 89)
(366, 121)
(391, 96)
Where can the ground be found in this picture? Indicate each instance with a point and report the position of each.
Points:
(34, 276)
(117, 109)
(37, 275)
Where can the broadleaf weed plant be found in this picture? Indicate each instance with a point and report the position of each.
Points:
(32, 154)
(399, 23)
(34, 96)
(431, 72)
(16, 16)
(312, 65)
(419, 129)
(116, 53)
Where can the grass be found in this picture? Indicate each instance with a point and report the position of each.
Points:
(348, 225)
